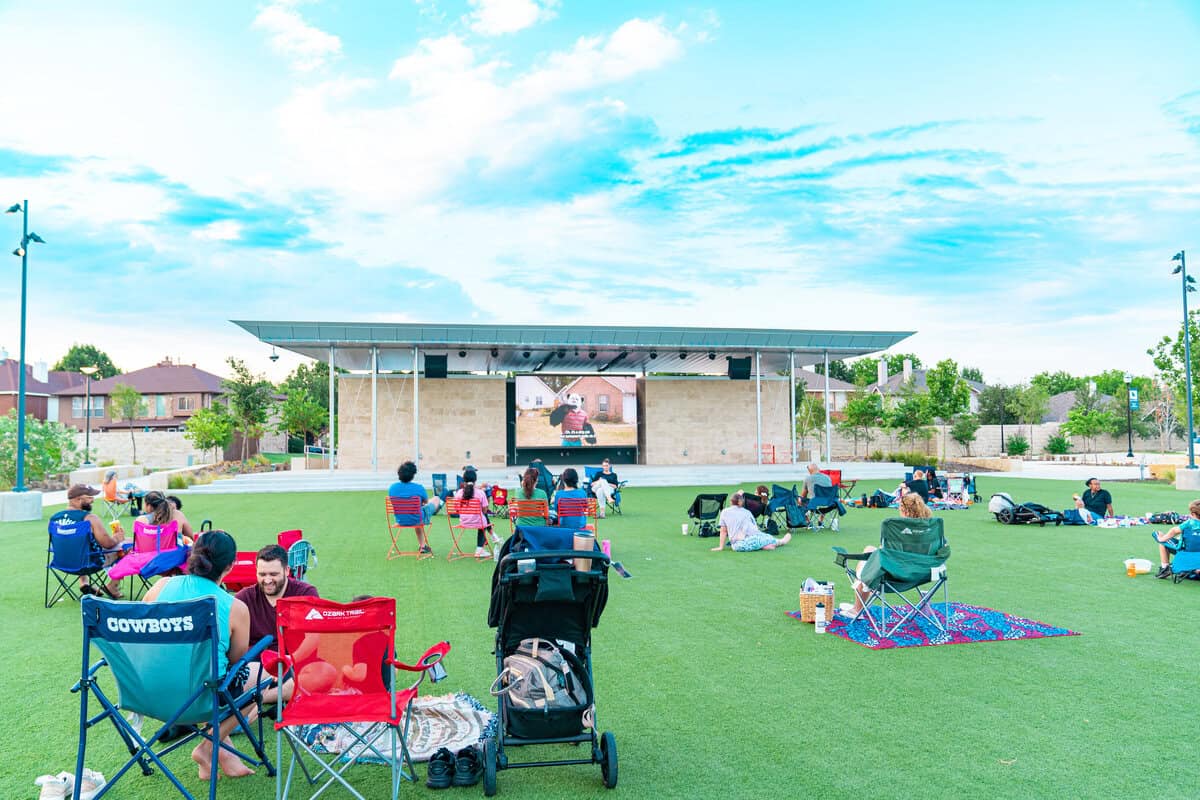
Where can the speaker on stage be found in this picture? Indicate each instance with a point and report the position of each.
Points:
(435, 366)
(739, 369)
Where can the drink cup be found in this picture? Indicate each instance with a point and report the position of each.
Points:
(1131, 569)
(586, 542)
(114, 526)
(683, 529)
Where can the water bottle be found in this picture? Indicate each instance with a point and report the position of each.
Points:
(819, 618)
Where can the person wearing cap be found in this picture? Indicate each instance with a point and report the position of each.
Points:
(102, 542)
(1096, 500)
(211, 559)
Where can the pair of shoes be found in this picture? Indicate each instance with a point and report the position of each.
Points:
(426, 550)
(91, 784)
(481, 552)
(87, 588)
(55, 786)
(441, 770)
(447, 769)
(1165, 572)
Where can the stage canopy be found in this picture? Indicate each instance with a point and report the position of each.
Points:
(572, 349)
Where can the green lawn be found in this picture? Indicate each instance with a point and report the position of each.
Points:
(710, 689)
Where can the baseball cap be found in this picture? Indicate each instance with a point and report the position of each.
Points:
(81, 489)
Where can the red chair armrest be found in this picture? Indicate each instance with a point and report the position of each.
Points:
(432, 656)
(271, 660)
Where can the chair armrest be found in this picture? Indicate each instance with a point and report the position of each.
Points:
(432, 656)
(271, 659)
(252, 654)
(91, 674)
(841, 556)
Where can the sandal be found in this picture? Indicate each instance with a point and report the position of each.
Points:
(114, 594)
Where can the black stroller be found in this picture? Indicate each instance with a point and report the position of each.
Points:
(705, 513)
(1010, 512)
(537, 592)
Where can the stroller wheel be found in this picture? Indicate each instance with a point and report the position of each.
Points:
(489, 768)
(1006, 516)
(608, 759)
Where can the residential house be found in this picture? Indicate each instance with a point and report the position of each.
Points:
(606, 398)
(1061, 403)
(42, 386)
(889, 386)
(814, 386)
(170, 392)
(533, 393)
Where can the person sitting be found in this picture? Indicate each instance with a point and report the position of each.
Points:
(815, 478)
(918, 485)
(1096, 500)
(912, 506)
(211, 559)
(605, 486)
(570, 488)
(273, 582)
(529, 490)
(739, 529)
(405, 487)
(79, 508)
(162, 511)
(112, 493)
(480, 521)
(1171, 541)
(758, 503)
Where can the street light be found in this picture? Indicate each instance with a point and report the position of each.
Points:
(23, 251)
(1129, 413)
(1002, 452)
(1187, 284)
(87, 436)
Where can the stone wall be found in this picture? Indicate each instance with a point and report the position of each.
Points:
(712, 420)
(987, 442)
(154, 449)
(462, 420)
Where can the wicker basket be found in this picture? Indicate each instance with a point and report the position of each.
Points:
(809, 600)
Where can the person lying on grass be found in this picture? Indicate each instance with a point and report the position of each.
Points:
(912, 507)
(1171, 541)
(739, 529)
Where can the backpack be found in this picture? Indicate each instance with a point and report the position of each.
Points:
(1166, 518)
(546, 689)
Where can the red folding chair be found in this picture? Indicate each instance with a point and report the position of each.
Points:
(411, 508)
(244, 572)
(527, 509)
(472, 509)
(579, 507)
(499, 500)
(843, 487)
(343, 658)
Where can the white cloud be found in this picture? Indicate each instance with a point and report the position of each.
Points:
(225, 230)
(305, 46)
(498, 17)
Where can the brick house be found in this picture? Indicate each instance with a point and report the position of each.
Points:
(605, 398)
(170, 392)
(41, 388)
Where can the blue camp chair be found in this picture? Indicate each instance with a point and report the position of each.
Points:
(589, 474)
(824, 502)
(786, 508)
(1186, 561)
(70, 557)
(912, 554)
(440, 488)
(164, 658)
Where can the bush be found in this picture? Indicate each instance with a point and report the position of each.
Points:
(1058, 445)
(876, 455)
(179, 482)
(108, 462)
(913, 458)
(49, 449)
(1017, 445)
(1168, 475)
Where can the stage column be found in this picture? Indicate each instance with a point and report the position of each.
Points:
(828, 427)
(792, 400)
(758, 401)
(332, 391)
(374, 408)
(416, 406)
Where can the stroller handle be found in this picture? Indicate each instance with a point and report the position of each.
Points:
(556, 555)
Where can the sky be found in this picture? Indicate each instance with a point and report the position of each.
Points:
(1008, 179)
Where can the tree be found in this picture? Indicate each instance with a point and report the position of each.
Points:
(864, 372)
(910, 415)
(964, 430)
(1162, 408)
(249, 398)
(972, 374)
(895, 362)
(948, 395)
(86, 355)
(300, 415)
(127, 406)
(837, 369)
(1087, 424)
(1168, 357)
(313, 380)
(1057, 382)
(1030, 404)
(210, 428)
(995, 404)
(810, 415)
(1112, 382)
(862, 413)
(49, 448)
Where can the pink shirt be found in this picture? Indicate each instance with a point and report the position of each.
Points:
(473, 520)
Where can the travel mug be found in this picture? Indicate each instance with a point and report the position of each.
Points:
(584, 541)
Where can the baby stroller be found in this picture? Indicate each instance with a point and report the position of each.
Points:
(704, 513)
(539, 594)
(1006, 510)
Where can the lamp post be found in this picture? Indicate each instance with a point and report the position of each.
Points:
(87, 436)
(1188, 284)
(1129, 413)
(1002, 452)
(23, 252)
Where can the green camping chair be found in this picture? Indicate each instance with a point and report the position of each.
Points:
(911, 559)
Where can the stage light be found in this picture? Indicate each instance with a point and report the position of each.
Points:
(653, 356)
(591, 354)
(462, 353)
(525, 354)
(495, 352)
(682, 355)
(562, 353)
(712, 356)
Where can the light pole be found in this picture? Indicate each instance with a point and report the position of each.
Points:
(1002, 452)
(87, 436)
(1129, 413)
(22, 251)
(1188, 284)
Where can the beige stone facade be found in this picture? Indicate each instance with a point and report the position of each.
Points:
(154, 449)
(462, 420)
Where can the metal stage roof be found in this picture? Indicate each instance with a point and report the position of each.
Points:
(570, 349)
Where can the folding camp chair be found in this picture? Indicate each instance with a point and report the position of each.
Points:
(456, 509)
(499, 499)
(114, 502)
(585, 507)
(1186, 561)
(821, 505)
(844, 487)
(590, 474)
(440, 489)
(704, 513)
(156, 551)
(786, 508)
(912, 554)
(410, 508)
(349, 682)
(526, 510)
(165, 659)
(70, 557)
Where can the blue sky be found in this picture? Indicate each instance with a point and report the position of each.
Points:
(1008, 179)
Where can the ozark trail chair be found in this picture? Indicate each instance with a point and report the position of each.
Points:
(911, 556)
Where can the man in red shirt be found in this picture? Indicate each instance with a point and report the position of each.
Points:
(273, 583)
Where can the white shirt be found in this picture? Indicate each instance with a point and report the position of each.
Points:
(738, 523)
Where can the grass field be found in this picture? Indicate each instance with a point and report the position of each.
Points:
(711, 690)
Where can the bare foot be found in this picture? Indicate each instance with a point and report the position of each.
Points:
(230, 764)
(202, 755)
(787, 537)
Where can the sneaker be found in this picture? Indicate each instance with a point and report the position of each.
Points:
(91, 784)
(55, 787)
(1164, 572)
(426, 550)
(441, 770)
(468, 767)
(481, 552)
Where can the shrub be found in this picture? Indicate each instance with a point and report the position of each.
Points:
(1168, 475)
(1017, 445)
(913, 458)
(876, 455)
(108, 462)
(49, 449)
(179, 482)
(1058, 445)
